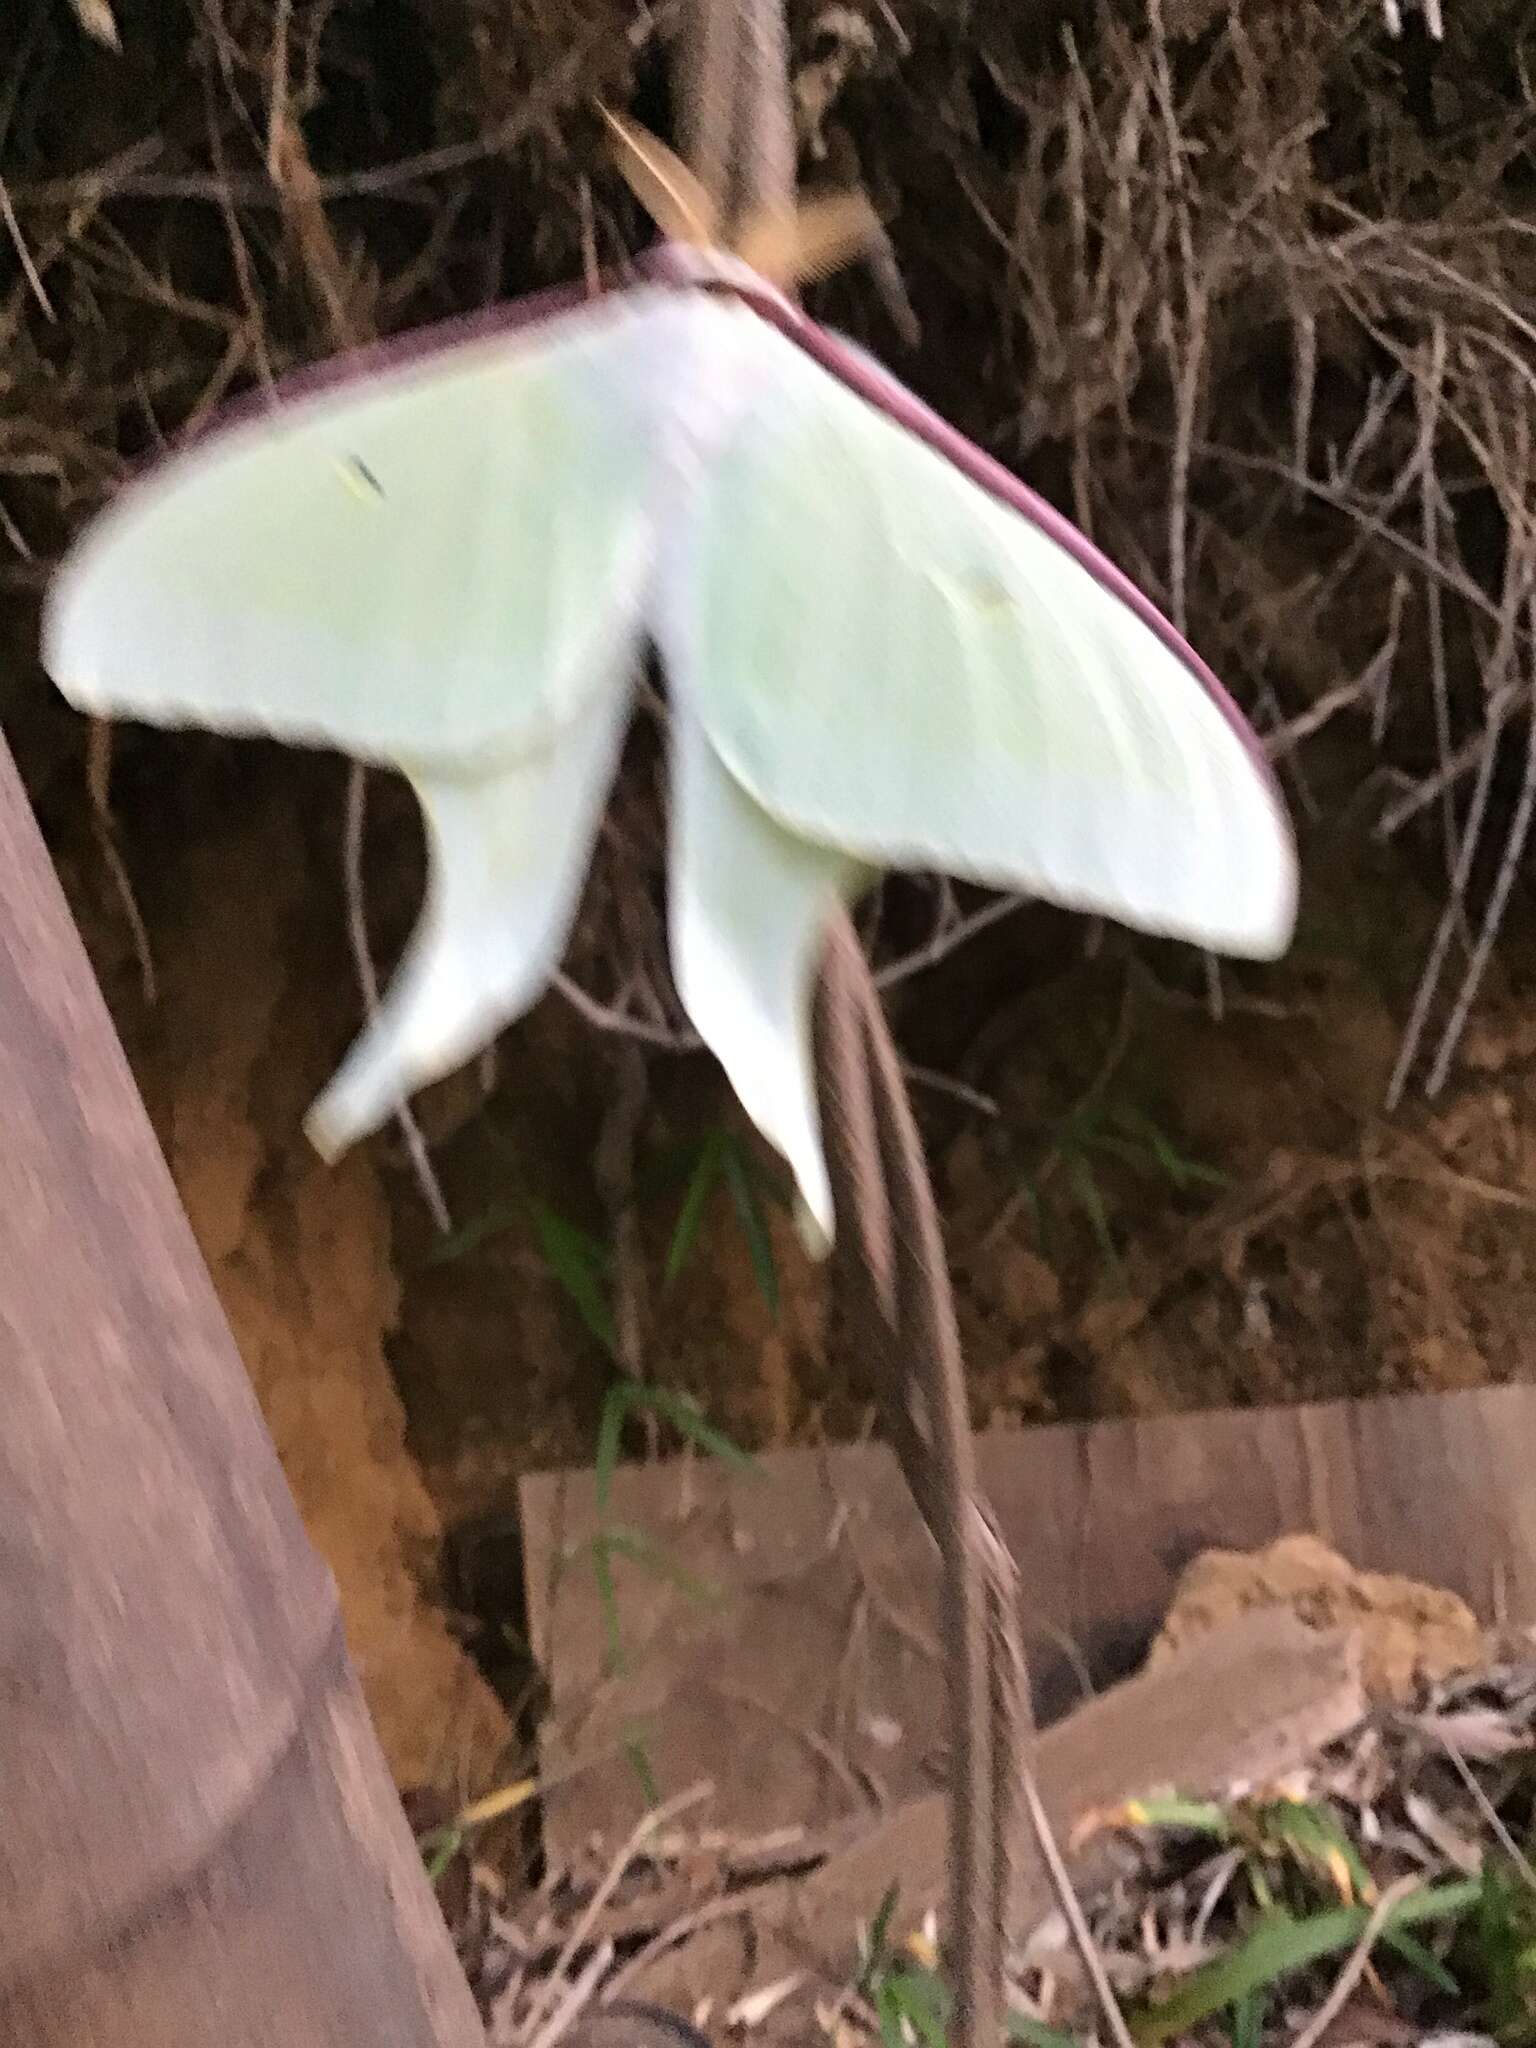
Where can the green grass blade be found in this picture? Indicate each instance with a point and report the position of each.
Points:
(1418, 1957)
(1312, 1834)
(491, 1222)
(1248, 2019)
(578, 1261)
(439, 1849)
(878, 1941)
(754, 1225)
(617, 1403)
(638, 1549)
(620, 1402)
(1183, 1171)
(912, 2001)
(1036, 2034)
(1277, 1945)
(690, 1217)
(685, 1418)
(1086, 1188)
(639, 1759)
(1195, 1816)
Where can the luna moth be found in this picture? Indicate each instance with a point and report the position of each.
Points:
(444, 555)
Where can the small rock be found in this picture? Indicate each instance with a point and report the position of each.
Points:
(1411, 1634)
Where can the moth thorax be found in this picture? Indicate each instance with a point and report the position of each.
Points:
(691, 372)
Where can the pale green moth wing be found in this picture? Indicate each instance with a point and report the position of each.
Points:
(892, 660)
(508, 855)
(438, 565)
(433, 562)
(747, 906)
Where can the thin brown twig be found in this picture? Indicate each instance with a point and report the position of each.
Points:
(98, 777)
(24, 255)
(1488, 1810)
(575, 1996)
(119, 178)
(1072, 1912)
(648, 1824)
(1493, 916)
(1355, 1965)
(956, 1090)
(1450, 919)
(610, 1017)
(1431, 514)
(1468, 756)
(945, 941)
(731, 1907)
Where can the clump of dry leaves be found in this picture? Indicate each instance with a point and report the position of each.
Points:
(1382, 1894)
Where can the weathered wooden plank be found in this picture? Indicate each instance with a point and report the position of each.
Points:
(812, 1680)
(201, 1840)
(1251, 1699)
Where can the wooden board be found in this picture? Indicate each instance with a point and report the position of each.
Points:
(782, 1641)
(201, 1839)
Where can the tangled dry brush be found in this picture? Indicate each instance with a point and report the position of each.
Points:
(1249, 288)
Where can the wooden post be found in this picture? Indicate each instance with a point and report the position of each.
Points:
(200, 1841)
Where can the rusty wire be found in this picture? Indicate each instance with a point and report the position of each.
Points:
(739, 135)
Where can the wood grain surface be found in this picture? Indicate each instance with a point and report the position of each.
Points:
(201, 1842)
(806, 1686)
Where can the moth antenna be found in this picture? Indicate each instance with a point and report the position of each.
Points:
(811, 243)
(663, 184)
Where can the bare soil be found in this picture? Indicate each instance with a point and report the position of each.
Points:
(1148, 1207)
